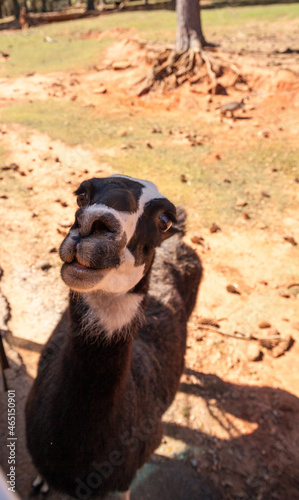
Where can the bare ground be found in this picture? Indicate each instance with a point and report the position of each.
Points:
(233, 430)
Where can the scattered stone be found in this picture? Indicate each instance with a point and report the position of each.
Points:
(296, 179)
(122, 133)
(261, 225)
(57, 159)
(44, 266)
(121, 65)
(228, 181)
(290, 239)
(282, 347)
(4, 197)
(148, 145)
(156, 130)
(241, 202)
(271, 338)
(65, 223)
(246, 216)
(214, 228)
(52, 250)
(61, 231)
(233, 289)
(100, 90)
(264, 133)
(183, 178)
(34, 214)
(264, 324)
(265, 194)
(194, 462)
(253, 352)
(197, 239)
(64, 204)
(284, 292)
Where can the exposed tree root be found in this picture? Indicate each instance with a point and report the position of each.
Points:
(170, 69)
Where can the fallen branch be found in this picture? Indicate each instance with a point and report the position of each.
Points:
(238, 335)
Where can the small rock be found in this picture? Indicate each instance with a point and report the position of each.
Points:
(197, 239)
(214, 228)
(264, 324)
(65, 223)
(4, 197)
(52, 250)
(284, 292)
(264, 282)
(156, 130)
(261, 225)
(233, 289)
(246, 216)
(194, 462)
(57, 159)
(253, 352)
(290, 239)
(296, 179)
(148, 145)
(228, 181)
(122, 133)
(264, 133)
(282, 347)
(34, 214)
(265, 194)
(241, 202)
(120, 65)
(44, 266)
(183, 178)
(61, 231)
(100, 90)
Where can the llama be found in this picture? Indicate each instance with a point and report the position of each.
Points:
(112, 366)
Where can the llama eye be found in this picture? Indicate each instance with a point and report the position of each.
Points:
(164, 223)
(82, 200)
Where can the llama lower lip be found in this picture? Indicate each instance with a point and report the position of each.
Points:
(81, 267)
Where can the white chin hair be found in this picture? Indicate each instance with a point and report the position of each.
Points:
(122, 278)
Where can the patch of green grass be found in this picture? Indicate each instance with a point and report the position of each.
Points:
(29, 51)
(206, 194)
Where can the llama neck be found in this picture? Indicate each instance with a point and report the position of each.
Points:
(98, 361)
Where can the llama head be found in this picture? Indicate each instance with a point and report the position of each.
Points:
(119, 223)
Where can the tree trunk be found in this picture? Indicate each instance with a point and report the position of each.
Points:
(90, 5)
(16, 9)
(189, 31)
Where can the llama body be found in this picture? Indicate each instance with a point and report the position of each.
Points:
(94, 412)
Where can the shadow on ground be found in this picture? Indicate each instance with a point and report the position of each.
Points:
(264, 462)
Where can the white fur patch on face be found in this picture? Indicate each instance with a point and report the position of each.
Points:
(110, 312)
(128, 220)
(122, 278)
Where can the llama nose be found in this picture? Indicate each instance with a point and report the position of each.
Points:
(96, 223)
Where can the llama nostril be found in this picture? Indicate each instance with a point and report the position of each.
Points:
(76, 238)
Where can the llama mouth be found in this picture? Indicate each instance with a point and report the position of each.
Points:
(81, 267)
